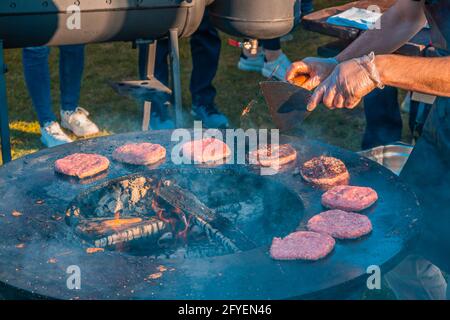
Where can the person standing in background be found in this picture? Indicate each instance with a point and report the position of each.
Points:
(205, 48)
(37, 78)
(270, 60)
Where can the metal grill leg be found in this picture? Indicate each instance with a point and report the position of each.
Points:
(176, 76)
(147, 58)
(4, 121)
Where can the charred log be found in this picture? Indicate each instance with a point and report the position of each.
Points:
(204, 217)
(110, 232)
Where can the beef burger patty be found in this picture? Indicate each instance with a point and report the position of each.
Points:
(140, 153)
(273, 155)
(349, 198)
(325, 172)
(302, 245)
(206, 150)
(82, 165)
(340, 224)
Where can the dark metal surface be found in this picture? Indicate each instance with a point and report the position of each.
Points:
(287, 103)
(30, 186)
(26, 23)
(255, 19)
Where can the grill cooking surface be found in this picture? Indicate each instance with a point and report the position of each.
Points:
(38, 242)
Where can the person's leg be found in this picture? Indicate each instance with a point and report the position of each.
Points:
(71, 66)
(161, 66)
(307, 7)
(276, 63)
(37, 79)
(272, 48)
(160, 116)
(205, 48)
(383, 118)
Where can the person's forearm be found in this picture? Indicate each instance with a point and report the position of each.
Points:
(398, 25)
(425, 75)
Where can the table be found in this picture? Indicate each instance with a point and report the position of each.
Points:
(317, 22)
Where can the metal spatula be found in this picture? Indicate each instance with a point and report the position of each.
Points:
(287, 103)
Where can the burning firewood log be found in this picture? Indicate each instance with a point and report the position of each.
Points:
(109, 232)
(204, 217)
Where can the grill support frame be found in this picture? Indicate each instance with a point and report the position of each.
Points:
(4, 119)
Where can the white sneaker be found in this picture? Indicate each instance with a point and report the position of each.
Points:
(78, 122)
(252, 64)
(277, 68)
(52, 135)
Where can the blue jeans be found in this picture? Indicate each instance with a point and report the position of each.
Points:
(205, 49)
(37, 78)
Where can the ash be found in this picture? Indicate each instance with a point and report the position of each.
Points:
(249, 210)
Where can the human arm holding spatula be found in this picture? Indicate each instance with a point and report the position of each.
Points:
(341, 82)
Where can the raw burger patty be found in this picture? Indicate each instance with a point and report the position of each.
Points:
(273, 155)
(349, 198)
(325, 172)
(82, 165)
(340, 224)
(140, 153)
(206, 150)
(303, 245)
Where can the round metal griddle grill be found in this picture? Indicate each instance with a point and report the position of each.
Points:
(30, 186)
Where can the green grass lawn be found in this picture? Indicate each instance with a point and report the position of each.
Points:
(115, 114)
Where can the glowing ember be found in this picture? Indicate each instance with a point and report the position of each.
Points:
(154, 276)
(117, 223)
(162, 268)
(16, 213)
(248, 108)
(94, 250)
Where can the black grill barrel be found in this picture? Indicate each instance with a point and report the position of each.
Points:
(25, 23)
(255, 19)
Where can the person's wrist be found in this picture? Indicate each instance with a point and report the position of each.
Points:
(333, 60)
(338, 59)
(368, 62)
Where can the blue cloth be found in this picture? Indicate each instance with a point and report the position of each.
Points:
(205, 49)
(355, 18)
(37, 78)
(383, 118)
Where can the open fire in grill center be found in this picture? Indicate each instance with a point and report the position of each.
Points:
(174, 215)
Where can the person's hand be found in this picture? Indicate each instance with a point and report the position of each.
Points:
(316, 70)
(347, 85)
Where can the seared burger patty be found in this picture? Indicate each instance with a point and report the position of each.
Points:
(206, 150)
(325, 172)
(302, 245)
(349, 198)
(273, 155)
(140, 153)
(82, 165)
(340, 224)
